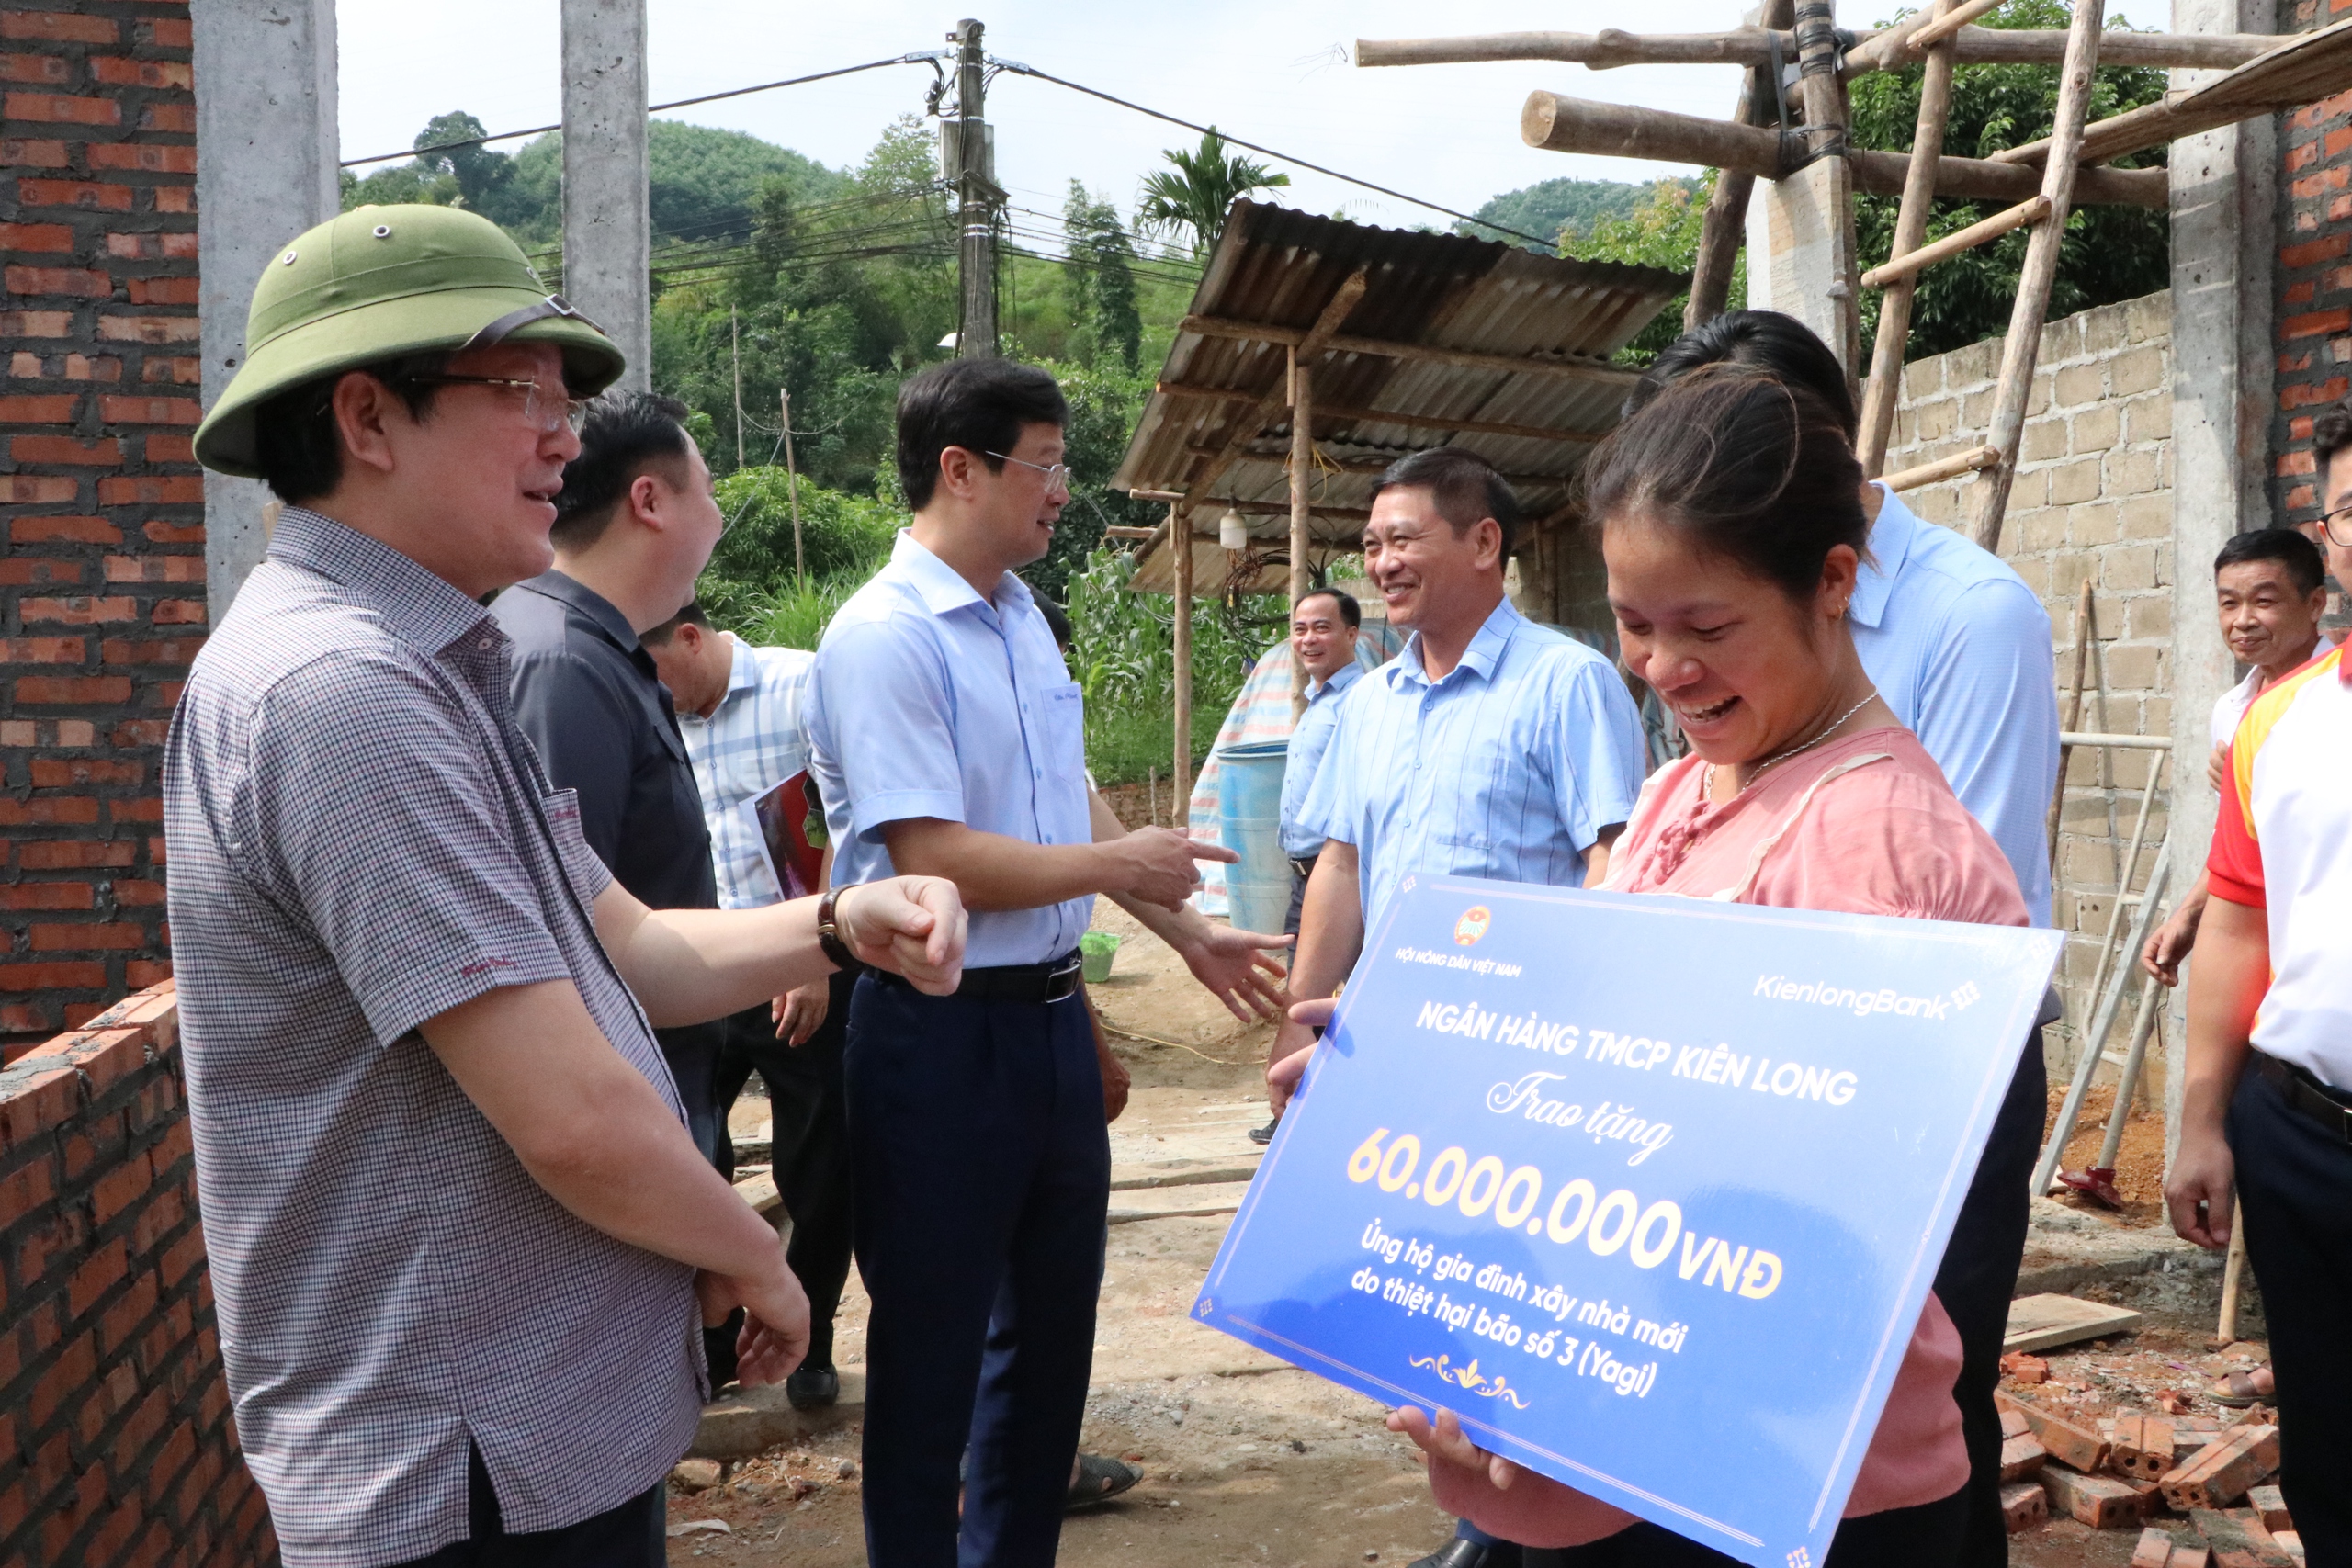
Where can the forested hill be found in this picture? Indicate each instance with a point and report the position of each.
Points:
(1554, 206)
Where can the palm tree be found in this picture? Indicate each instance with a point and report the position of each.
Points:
(1204, 188)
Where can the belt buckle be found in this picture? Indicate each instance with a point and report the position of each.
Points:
(1062, 984)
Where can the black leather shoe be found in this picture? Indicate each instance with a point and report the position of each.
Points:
(812, 1387)
(1265, 1134)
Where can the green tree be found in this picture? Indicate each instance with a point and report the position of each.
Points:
(1662, 231)
(1100, 279)
(2108, 253)
(1565, 210)
(1194, 195)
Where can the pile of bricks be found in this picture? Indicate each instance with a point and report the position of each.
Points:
(102, 585)
(2135, 1468)
(123, 1449)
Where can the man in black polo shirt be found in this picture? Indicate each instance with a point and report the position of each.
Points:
(635, 522)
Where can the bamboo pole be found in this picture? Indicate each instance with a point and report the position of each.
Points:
(1943, 468)
(1830, 178)
(2134, 1059)
(1905, 268)
(2074, 718)
(1302, 470)
(2021, 349)
(2233, 1272)
(2071, 1110)
(1752, 47)
(1910, 228)
(1561, 124)
(2123, 889)
(792, 486)
(1179, 781)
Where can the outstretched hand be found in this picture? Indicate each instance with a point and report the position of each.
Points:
(1443, 1443)
(1238, 970)
(913, 925)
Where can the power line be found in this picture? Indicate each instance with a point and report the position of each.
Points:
(916, 59)
(1020, 70)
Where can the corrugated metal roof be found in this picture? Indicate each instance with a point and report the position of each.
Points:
(1489, 304)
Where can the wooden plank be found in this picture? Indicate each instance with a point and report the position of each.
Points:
(1177, 1203)
(2100, 1501)
(2066, 1443)
(2036, 1323)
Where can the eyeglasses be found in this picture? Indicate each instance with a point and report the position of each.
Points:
(2337, 525)
(1056, 474)
(547, 409)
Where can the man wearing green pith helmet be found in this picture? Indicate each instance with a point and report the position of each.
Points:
(462, 1241)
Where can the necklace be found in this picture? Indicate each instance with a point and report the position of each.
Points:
(1708, 783)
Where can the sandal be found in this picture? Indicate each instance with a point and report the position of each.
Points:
(1100, 1478)
(2237, 1390)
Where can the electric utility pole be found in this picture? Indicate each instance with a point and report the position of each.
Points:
(976, 197)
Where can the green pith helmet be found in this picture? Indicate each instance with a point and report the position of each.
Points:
(378, 282)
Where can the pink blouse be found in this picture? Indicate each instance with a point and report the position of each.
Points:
(1867, 826)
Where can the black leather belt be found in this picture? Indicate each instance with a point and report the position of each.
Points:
(1049, 982)
(1303, 869)
(2307, 1096)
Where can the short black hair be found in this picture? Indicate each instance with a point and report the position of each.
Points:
(977, 405)
(2331, 433)
(1057, 621)
(2305, 566)
(624, 435)
(1465, 487)
(297, 443)
(660, 636)
(1781, 346)
(1350, 611)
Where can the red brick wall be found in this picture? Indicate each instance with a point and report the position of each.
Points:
(116, 1442)
(102, 585)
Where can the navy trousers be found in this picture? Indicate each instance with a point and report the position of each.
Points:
(982, 1171)
(2295, 1188)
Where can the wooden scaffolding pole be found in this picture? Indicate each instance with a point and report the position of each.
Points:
(1724, 227)
(1910, 229)
(1885, 49)
(1180, 540)
(1302, 470)
(2022, 348)
(1827, 173)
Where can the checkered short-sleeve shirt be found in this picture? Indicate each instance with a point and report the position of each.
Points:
(361, 840)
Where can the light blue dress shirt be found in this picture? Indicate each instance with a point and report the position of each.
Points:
(927, 700)
(751, 742)
(1960, 648)
(1308, 738)
(1508, 767)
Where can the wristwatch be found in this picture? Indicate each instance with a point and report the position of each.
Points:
(829, 934)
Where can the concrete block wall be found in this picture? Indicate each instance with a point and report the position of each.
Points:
(102, 588)
(2092, 503)
(123, 1451)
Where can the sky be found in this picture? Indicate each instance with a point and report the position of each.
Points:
(1280, 74)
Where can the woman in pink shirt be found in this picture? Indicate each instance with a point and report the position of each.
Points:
(1729, 522)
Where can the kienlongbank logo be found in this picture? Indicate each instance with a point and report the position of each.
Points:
(1472, 925)
(1864, 1003)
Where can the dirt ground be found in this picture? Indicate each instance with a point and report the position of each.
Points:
(1249, 1461)
(2139, 1159)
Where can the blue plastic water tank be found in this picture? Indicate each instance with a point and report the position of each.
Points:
(1249, 787)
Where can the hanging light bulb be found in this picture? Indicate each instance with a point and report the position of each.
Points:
(1232, 531)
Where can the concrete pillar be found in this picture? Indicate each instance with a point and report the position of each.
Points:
(2224, 189)
(607, 220)
(266, 151)
(1800, 253)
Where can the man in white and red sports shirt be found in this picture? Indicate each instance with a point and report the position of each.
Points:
(2268, 1109)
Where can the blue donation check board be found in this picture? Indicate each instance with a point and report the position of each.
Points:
(1650, 1191)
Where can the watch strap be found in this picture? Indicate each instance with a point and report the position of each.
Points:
(828, 935)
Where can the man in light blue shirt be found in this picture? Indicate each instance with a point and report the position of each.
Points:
(1490, 747)
(946, 733)
(1323, 626)
(1960, 647)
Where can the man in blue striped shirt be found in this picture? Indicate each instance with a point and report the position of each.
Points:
(1490, 747)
